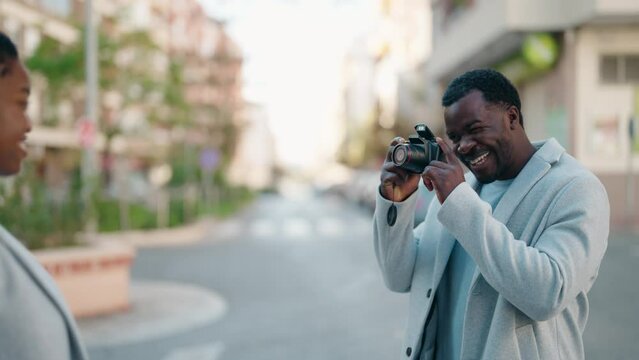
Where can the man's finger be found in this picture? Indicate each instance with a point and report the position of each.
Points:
(391, 168)
(432, 173)
(397, 140)
(428, 183)
(392, 179)
(438, 164)
(451, 158)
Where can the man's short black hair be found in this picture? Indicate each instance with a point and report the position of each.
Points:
(493, 85)
(8, 51)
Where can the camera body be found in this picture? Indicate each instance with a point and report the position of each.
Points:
(420, 150)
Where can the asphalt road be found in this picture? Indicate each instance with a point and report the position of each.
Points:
(612, 332)
(300, 280)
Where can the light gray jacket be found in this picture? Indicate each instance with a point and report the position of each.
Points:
(35, 323)
(537, 257)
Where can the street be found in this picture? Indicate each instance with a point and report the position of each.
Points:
(300, 281)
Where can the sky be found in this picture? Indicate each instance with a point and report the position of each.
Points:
(293, 52)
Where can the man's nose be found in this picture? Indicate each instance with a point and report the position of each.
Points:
(465, 146)
(28, 124)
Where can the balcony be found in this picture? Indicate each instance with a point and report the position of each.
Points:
(31, 16)
(476, 33)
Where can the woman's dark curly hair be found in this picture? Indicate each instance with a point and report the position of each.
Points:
(8, 51)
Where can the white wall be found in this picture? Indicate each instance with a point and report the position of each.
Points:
(254, 159)
(534, 109)
(603, 148)
(465, 34)
(618, 6)
(484, 26)
(548, 15)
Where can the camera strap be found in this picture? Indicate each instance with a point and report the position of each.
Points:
(391, 216)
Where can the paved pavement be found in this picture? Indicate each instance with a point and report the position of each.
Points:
(158, 310)
(612, 332)
(295, 277)
(299, 280)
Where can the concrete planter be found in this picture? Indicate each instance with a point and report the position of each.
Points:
(182, 235)
(94, 279)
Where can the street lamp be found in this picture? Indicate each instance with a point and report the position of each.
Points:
(90, 119)
(630, 178)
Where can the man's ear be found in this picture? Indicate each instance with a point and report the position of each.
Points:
(513, 117)
(4, 69)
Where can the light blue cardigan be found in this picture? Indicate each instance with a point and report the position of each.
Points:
(537, 257)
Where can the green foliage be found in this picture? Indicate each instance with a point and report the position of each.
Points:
(62, 66)
(184, 161)
(39, 222)
(179, 111)
(127, 66)
(237, 199)
(140, 217)
(135, 78)
(35, 219)
(143, 218)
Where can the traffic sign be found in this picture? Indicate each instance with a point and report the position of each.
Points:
(209, 159)
(86, 133)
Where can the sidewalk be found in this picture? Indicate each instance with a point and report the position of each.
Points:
(158, 309)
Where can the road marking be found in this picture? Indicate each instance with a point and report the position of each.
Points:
(297, 228)
(330, 227)
(198, 352)
(263, 228)
(300, 228)
(231, 228)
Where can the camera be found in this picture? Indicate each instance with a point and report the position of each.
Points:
(420, 150)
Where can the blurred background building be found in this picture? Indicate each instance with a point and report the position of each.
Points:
(207, 105)
(383, 88)
(171, 87)
(575, 63)
(170, 92)
(254, 163)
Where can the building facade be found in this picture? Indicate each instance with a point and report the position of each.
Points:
(383, 81)
(576, 64)
(170, 78)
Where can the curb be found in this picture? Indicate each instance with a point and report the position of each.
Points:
(183, 235)
(158, 310)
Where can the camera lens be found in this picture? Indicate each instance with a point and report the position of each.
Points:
(400, 154)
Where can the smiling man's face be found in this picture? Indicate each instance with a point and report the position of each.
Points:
(14, 123)
(482, 136)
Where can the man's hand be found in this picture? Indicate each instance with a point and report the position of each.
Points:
(397, 183)
(443, 176)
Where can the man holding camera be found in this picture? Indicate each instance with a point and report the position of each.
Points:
(501, 265)
(34, 321)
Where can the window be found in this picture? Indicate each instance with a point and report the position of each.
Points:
(609, 69)
(619, 69)
(632, 68)
(58, 7)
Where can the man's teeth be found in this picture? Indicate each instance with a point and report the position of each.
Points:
(478, 160)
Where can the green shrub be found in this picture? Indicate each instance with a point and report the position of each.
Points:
(36, 220)
(28, 211)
